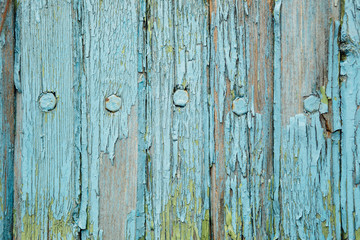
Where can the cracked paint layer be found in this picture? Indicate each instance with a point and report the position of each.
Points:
(181, 120)
(7, 122)
(46, 158)
(178, 180)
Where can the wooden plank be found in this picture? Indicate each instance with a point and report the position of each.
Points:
(241, 111)
(178, 179)
(305, 157)
(47, 160)
(110, 138)
(7, 118)
(350, 116)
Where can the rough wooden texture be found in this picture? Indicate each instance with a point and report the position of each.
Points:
(46, 158)
(178, 178)
(110, 141)
(7, 120)
(306, 162)
(180, 119)
(350, 116)
(241, 68)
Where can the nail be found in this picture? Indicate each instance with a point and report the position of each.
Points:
(240, 106)
(181, 97)
(311, 104)
(113, 103)
(47, 101)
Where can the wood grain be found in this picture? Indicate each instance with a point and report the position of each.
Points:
(110, 139)
(180, 119)
(178, 179)
(306, 162)
(241, 68)
(7, 119)
(46, 158)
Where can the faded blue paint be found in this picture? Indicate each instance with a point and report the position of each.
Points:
(178, 180)
(350, 102)
(110, 66)
(7, 123)
(190, 139)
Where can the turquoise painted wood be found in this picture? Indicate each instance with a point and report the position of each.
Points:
(184, 119)
(7, 120)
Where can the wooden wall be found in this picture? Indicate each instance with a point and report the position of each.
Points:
(163, 119)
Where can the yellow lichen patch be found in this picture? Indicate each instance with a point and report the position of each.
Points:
(324, 98)
(33, 226)
(229, 230)
(169, 49)
(205, 227)
(175, 227)
(325, 229)
(357, 233)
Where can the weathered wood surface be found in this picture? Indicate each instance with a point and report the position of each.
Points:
(306, 179)
(180, 120)
(350, 116)
(178, 180)
(47, 161)
(241, 76)
(7, 119)
(109, 139)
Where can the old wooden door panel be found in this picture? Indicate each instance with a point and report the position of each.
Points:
(178, 180)
(7, 120)
(46, 161)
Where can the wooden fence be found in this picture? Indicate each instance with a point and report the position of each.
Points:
(180, 119)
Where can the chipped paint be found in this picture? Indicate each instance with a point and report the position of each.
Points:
(7, 121)
(181, 120)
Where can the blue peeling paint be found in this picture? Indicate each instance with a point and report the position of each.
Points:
(311, 104)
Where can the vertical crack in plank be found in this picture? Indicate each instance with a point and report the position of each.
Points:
(277, 117)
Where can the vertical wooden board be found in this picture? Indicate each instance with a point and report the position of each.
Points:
(227, 77)
(259, 70)
(350, 116)
(7, 118)
(110, 138)
(306, 143)
(241, 102)
(178, 179)
(47, 163)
